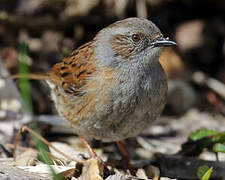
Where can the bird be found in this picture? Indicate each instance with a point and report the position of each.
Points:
(112, 87)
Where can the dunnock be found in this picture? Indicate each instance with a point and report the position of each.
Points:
(112, 87)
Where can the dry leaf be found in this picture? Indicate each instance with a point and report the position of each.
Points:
(141, 174)
(152, 172)
(92, 170)
(65, 148)
(44, 169)
(67, 173)
(27, 158)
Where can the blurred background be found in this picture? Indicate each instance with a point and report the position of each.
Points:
(34, 35)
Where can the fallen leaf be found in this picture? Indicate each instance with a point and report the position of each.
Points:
(27, 158)
(92, 170)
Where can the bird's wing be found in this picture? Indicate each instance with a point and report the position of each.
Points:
(72, 72)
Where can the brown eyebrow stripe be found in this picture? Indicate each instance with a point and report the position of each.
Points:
(122, 46)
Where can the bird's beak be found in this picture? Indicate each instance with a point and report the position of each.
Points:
(162, 42)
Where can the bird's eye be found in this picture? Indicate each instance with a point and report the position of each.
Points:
(136, 37)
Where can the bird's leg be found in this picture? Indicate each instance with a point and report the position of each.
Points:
(125, 155)
(93, 154)
(90, 150)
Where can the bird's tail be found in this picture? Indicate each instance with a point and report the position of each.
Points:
(32, 76)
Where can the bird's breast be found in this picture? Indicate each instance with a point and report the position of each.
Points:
(115, 105)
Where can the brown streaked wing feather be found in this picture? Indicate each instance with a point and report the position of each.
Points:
(72, 72)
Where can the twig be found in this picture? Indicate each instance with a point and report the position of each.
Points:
(42, 139)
